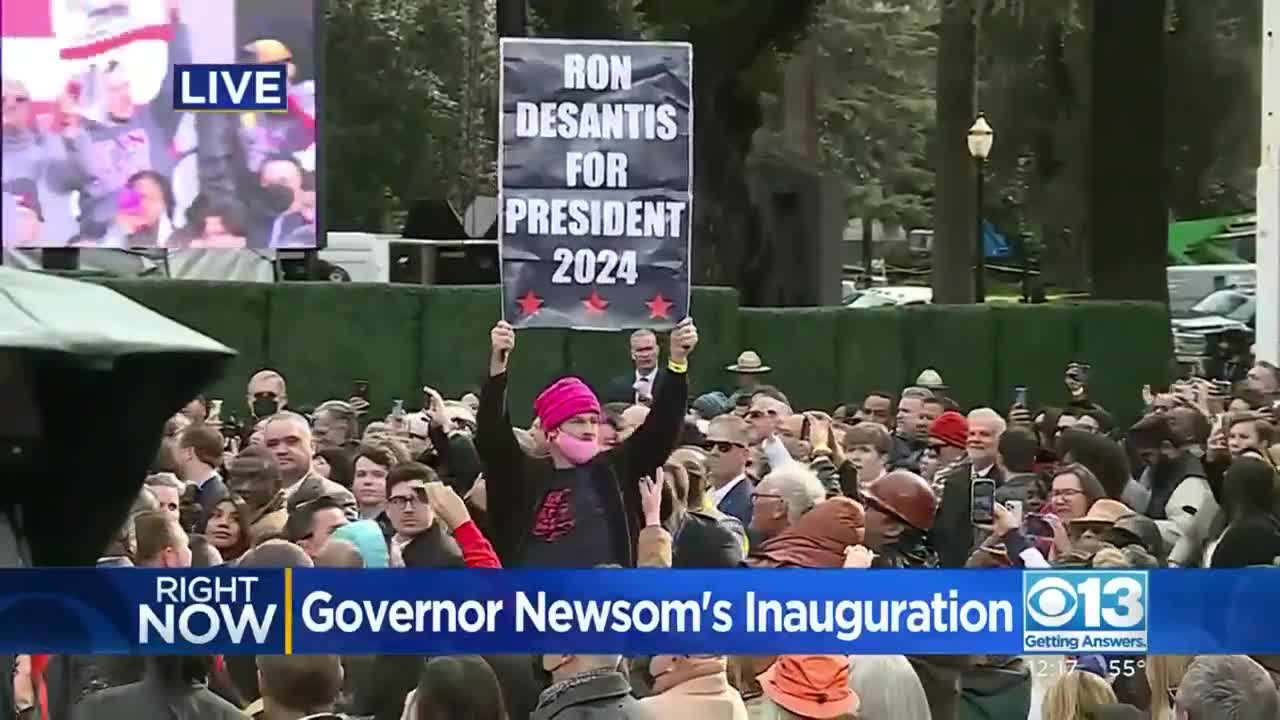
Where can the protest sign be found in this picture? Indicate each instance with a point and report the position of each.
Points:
(595, 183)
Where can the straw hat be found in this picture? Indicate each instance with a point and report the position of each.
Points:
(749, 363)
(1104, 512)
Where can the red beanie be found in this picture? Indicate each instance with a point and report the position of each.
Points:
(565, 398)
(951, 428)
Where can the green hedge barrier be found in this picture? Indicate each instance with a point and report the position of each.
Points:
(323, 336)
(870, 353)
(800, 345)
(233, 313)
(1128, 345)
(959, 341)
(1033, 346)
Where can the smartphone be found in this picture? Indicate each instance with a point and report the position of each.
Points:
(1037, 526)
(1015, 508)
(1221, 388)
(215, 412)
(360, 389)
(982, 509)
(397, 409)
(1020, 395)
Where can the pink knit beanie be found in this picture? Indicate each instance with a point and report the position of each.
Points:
(565, 398)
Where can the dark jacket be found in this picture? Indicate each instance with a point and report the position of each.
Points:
(940, 675)
(738, 502)
(148, 699)
(953, 534)
(517, 483)
(606, 696)
(905, 454)
(622, 389)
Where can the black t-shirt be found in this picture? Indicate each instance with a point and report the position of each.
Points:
(571, 528)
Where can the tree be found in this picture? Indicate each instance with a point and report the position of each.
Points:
(1128, 215)
(955, 221)
(876, 115)
(405, 119)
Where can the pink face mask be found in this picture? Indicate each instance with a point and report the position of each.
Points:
(578, 452)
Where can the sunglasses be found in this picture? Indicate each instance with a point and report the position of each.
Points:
(723, 447)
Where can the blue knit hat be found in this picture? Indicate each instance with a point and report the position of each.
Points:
(367, 536)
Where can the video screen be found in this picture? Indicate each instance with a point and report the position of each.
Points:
(95, 156)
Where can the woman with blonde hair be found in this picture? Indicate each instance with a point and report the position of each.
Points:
(1164, 675)
(1075, 695)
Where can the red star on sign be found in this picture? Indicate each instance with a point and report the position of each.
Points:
(529, 303)
(595, 304)
(660, 308)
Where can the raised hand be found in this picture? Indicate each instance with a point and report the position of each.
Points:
(651, 499)
(502, 340)
(448, 506)
(684, 338)
(858, 557)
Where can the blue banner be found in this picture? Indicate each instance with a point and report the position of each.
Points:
(639, 612)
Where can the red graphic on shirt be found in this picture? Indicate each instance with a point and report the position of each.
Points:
(555, 518)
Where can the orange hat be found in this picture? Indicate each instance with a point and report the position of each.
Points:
(813, 686)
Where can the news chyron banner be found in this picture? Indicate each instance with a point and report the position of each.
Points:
(100, 151)
(596, 183)
(640, 612)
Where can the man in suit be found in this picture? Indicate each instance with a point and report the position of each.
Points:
(728, 438)
(953, 534)
(637, 385)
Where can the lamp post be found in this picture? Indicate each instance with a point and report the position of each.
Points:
(981, 138)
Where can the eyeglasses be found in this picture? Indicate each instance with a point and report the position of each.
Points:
(761, 496)
(724, 447)
(400, 502)
(1065, 492)
(757, 414)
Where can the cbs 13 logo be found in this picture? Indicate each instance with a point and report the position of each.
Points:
(1086, 600)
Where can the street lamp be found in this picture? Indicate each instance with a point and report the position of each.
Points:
(981, 138)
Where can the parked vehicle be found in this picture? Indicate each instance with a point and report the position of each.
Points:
(1188, 284)
(1215, 331)
(890, 295)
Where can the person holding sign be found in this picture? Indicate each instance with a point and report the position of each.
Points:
(581, 506)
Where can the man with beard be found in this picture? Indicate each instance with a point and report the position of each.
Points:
(954, 535)
(1179, 497)
(900, 509)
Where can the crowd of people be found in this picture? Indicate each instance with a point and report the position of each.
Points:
(142, 174)
(653, 477)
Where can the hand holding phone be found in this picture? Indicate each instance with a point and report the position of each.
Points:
(982, 507)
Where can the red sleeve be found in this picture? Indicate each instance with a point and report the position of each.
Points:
(476, 550)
